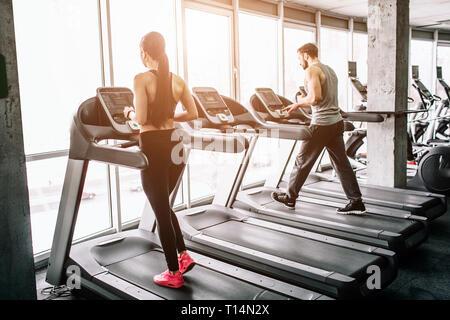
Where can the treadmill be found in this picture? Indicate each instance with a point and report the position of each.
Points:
(425, 129)
(443, 115)
(122, 265)
(392, 229)
(421, 203)
(333, 266)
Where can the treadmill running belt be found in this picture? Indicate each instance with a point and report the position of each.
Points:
(370, 221)
(379, 223)
(378, 194)
(200, 283)
(137, 260)
(302, 250)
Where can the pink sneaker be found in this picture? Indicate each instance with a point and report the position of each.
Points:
(169, 280)
(185, 263)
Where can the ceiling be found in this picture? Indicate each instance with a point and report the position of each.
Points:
(422, 12)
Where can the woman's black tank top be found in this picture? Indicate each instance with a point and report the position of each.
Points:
(172, 105)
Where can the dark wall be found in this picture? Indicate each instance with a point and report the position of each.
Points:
(17, 279)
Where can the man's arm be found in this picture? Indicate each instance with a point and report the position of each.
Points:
(314, 91)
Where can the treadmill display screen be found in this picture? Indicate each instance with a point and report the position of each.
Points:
(415, 72)
(117, 101)
(439, 72)
(211, 100)
(270, 99)
(352, 69)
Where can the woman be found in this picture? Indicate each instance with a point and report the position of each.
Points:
(157, 93)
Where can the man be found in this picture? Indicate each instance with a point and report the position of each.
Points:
(326, 128)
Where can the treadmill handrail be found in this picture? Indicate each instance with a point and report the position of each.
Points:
(84, 146)
(284, 131)
(134, 159)
(361, 116)
(212, 141)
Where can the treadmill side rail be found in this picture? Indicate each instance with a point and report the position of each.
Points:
(292, 266)
(258, 279)
(67, 215)
(322, 238)
(429, 194)
(123, 288)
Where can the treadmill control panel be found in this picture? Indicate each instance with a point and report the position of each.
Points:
(355, 81)
(302, 90)
(360, 89)
(423, 91)
(213, 105)
(272, 103)
(415, 72)
(113, 101)
(442, 82)
(352, 69)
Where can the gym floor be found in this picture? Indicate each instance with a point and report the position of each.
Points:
(425, 275)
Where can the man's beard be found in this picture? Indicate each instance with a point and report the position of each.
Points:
(305, 65)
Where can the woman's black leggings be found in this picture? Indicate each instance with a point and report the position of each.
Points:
(158, 181)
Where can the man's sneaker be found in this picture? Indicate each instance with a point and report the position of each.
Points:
(169, 280)
(353, 207)
(185, 263)
(283, 198)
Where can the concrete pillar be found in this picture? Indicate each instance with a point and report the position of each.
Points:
(388, 27)
(17, 279)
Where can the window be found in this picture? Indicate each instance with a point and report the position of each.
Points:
(264, 160)
(94, 213)
(132, 196)
(209, 63)
(258, 54)
(360, 43)
(209, 50)
(206, 171)
(334, 52)
(45, 183)
(422, 56)
(294, 75)
(129, 23)
(58, 57)
(443, 60)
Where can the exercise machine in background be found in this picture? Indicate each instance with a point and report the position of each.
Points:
(432, 161)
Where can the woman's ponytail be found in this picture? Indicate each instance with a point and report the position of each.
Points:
(153, 43)
(163, 95)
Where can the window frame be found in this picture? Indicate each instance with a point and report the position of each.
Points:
(296, 26)
(349, 53)
(217, 11)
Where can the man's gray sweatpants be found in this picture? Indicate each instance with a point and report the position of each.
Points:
(331, 138)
